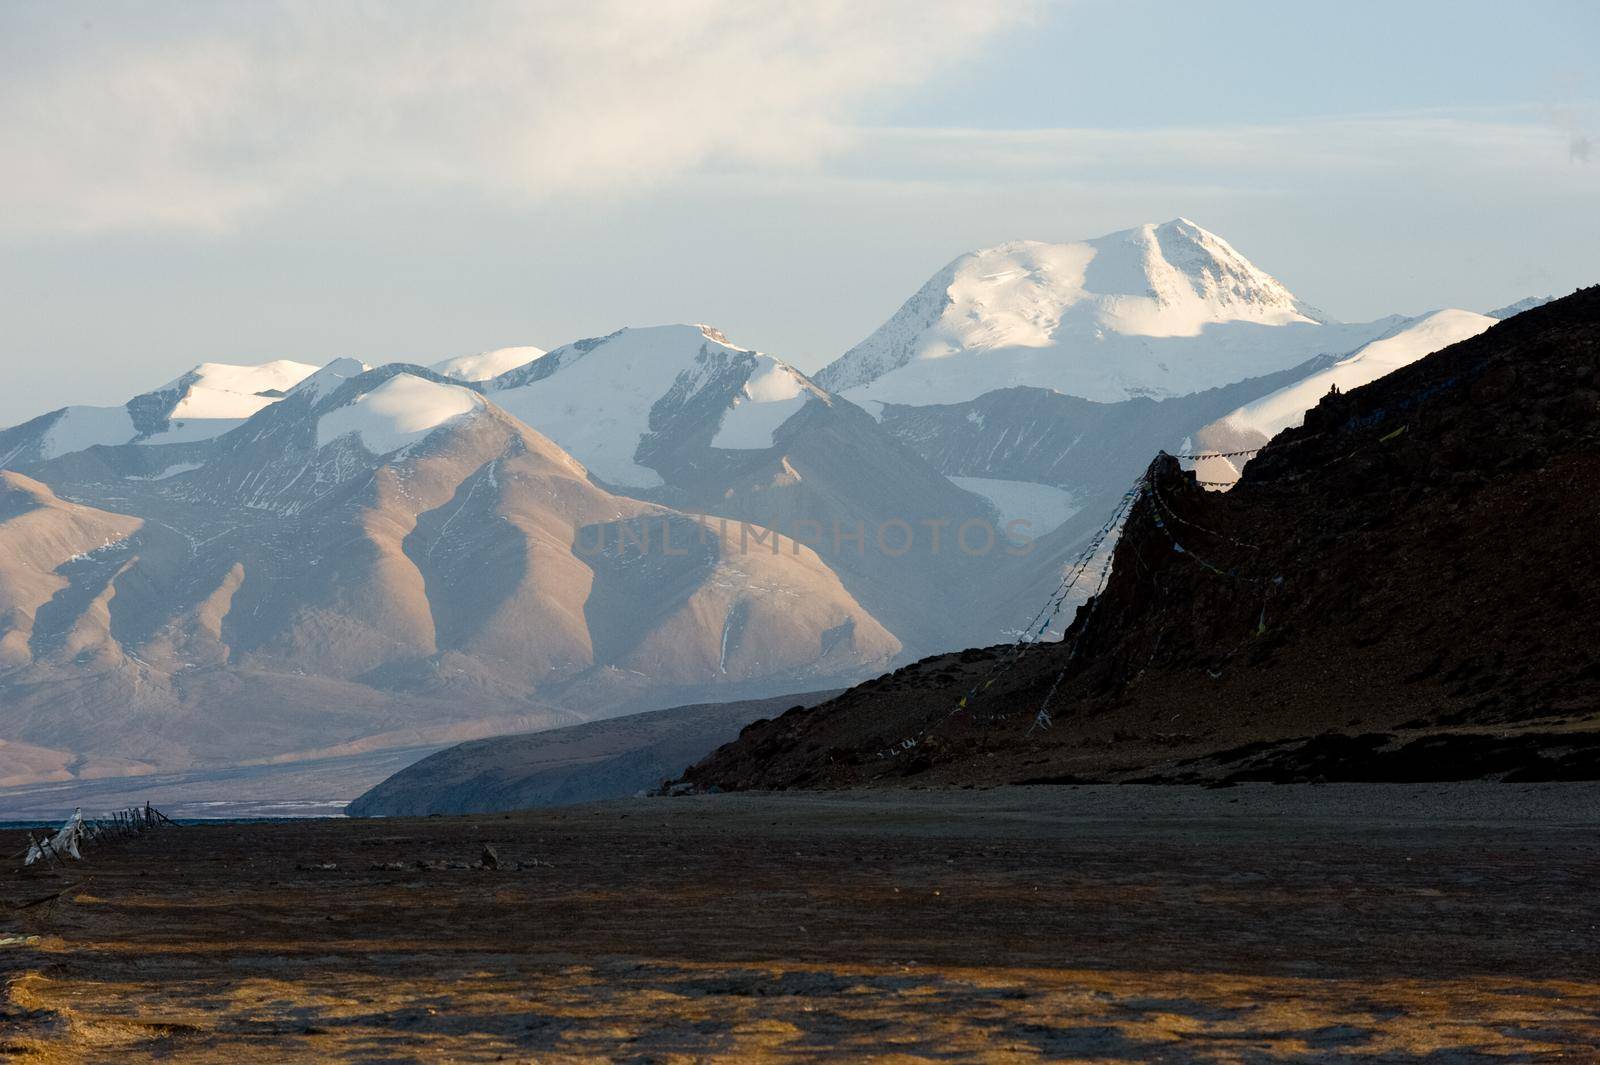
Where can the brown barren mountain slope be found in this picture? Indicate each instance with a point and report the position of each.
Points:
(1402, 588)
(41, 534)
(300, 598)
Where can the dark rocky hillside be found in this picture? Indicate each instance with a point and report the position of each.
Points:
(1404, 588)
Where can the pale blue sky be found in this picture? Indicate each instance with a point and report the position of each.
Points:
(252, 181)
(1153, 63)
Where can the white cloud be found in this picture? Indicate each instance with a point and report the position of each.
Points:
(1415, 148)
(133, 116)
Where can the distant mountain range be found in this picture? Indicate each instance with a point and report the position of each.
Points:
(278, 562)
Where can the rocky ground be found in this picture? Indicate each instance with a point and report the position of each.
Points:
(1385, 923)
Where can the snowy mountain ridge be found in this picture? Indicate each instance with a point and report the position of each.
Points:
(487, 365)
(604, 398)
(1085, 318)
(201, 404)
(1527, 303)
(1258, 421)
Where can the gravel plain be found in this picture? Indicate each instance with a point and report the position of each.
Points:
(1385, 923)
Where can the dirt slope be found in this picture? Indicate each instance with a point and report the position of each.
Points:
(610, 759)
(1400, 589)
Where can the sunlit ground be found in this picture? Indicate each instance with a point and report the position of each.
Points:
(1394, 924)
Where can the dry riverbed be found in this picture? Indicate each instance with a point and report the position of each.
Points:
(1390, 923)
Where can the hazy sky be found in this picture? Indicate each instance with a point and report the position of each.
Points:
(237, 182)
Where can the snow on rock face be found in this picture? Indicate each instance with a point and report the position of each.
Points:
(772, 395)
(166, 472)
(1420, 337)
(1037, 508)
(1158, 310)
(596, 398)
(1193, 278)
(222, 390)
(203, 403)
(401, 411)
(84, 427)
(486, 365)
(1528, 303)
(215, 397)
(327, 380)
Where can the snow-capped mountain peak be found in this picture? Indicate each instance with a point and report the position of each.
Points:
(265, 378)
(602, 398)
(400, 411)
(327, 380)
(1527, 303)
(225, 390)
(486, 365)
(1095, 318)
(201, 404)
(1174, 278)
